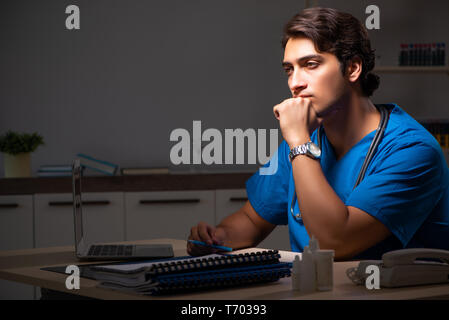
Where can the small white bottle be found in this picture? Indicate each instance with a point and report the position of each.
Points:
(296, 273)
(324, 269)
(307, 272)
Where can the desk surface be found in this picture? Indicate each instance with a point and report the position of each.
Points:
(25, 266)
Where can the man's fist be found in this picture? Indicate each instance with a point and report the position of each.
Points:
(297, 119)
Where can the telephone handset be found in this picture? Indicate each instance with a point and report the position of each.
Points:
(406, 267)
(414, 256)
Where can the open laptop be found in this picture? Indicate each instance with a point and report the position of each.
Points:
(107, 251)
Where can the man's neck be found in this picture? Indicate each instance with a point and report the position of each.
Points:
(354, 119)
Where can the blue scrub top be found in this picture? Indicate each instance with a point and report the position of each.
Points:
(406, 187)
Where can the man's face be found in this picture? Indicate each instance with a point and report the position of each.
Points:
(313, 75)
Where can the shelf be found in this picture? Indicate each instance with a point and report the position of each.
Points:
(412, 69)
(162, 182)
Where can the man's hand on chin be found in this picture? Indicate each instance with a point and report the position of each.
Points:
(297, 119)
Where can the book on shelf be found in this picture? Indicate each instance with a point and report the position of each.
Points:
(54, 171)
(143, 171)
(185, 274)
(439, 128)
(97, 165)
(55, 168)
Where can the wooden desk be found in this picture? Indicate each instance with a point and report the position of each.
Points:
(25, 266)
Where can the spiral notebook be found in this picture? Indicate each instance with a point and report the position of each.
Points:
(193, 273)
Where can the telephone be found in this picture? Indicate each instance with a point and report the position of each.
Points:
(406, 267)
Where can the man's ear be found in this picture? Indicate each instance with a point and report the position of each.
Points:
(354, 69)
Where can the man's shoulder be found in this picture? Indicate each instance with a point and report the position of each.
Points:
(407, 144)
(405, 131)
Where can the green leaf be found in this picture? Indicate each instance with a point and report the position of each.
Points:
(14, 143)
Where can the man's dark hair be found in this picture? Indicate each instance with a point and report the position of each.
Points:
(338, 33)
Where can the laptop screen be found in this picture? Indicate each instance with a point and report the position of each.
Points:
(77, 209)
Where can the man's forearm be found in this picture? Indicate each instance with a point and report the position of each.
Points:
(233, 238)
(244, 228)
(237, 231)
(323, 213)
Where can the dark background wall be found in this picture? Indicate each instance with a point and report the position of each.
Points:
(136, 70)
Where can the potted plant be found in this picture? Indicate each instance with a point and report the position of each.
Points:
(16, 148)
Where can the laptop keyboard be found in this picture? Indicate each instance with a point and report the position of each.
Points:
(110, 250)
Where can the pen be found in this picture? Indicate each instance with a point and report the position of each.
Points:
(201, 243)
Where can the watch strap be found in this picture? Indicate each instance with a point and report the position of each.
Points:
(301, 150)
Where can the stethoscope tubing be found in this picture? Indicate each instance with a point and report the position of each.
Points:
(384, 115)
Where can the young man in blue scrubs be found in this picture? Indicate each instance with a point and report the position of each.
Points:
(403, 199)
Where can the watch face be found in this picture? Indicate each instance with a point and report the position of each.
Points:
(314, 150)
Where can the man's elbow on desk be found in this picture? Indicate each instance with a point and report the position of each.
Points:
(342, 253)
(359, 232)
(343, 250)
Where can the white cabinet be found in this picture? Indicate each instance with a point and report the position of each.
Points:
(168, 214)
(16, 222)
(16, 232)
(229, 201)
(103, 218)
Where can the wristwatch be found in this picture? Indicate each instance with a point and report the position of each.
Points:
(309, 149)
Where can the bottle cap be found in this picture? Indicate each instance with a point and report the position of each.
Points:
(313, 244)
(325, 253)
(296, 262)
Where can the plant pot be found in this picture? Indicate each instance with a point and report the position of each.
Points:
(17, 166)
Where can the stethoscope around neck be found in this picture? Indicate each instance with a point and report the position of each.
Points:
(384, 115)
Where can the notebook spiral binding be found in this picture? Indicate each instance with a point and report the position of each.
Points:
(218, 272)
(176, 283)
(232, 260)
(197, 273)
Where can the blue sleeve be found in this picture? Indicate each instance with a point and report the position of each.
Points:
(403, 189)
(267, 189)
